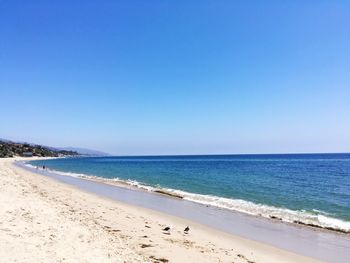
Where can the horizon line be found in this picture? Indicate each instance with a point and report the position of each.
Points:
(221, 154)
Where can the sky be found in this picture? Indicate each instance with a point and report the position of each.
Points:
(177, 77)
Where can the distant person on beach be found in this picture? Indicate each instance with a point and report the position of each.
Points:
(44, 167)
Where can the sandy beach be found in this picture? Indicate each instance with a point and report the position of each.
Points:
(43, 220)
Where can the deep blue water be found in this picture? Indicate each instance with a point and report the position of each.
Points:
(314, 185)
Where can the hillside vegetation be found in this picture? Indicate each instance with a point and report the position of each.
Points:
(12, 149)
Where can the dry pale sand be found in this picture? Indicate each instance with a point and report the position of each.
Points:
(42, 220)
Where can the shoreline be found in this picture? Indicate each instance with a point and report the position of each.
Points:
(39, 213)
(137, 186)
(312, 240)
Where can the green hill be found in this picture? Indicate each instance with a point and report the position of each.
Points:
(12, 149)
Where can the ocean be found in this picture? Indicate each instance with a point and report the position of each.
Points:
(311, 189)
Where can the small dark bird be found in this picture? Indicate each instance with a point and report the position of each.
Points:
(166, 228)
(187, 229)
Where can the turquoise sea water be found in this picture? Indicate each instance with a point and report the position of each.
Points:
(308, 188)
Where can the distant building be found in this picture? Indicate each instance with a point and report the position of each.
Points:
(27, 154)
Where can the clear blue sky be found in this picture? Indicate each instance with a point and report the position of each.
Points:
(177, 77)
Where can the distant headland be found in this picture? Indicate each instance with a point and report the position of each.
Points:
(13, 149)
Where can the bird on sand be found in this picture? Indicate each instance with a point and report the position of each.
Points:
(187, 229)
(167, 229)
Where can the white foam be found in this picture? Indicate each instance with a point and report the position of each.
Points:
(334, 223)
(30, 165)
(55, 171)
(318, 218)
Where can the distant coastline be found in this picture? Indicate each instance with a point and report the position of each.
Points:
(10, 149)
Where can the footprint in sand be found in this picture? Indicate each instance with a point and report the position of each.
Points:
(164, 260)
(145, 245)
